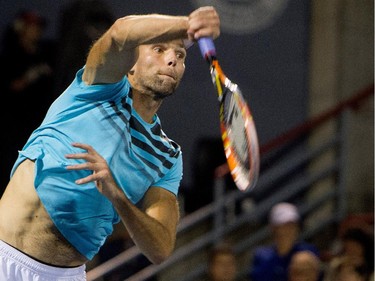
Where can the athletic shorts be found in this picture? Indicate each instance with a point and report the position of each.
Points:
(16, 266)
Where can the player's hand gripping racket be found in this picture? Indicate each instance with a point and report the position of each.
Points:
(238, 130)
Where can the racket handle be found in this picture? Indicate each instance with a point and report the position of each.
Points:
(207, 47)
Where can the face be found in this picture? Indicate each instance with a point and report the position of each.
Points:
(223, 267)
(287, 231)
(348, 273)
(303, 273)
(354, 250)
(304, 266)
(159, 68)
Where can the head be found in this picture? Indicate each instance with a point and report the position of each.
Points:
(343, 269)
(222, 265)
(284, 220)
(29, 26)
(304, 266)
(358, 246)
(159, 68)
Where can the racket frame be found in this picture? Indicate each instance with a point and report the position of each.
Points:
(245, 179)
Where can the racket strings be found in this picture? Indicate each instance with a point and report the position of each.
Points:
(238, 130)
(236, 124)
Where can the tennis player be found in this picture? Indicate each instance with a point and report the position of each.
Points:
(100, 156)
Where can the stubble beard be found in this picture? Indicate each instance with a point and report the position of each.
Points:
(161, 88)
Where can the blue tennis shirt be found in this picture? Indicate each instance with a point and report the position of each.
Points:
(139, 154)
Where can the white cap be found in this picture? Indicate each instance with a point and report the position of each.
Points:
(283, 213)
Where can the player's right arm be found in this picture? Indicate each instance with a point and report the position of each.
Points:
(114, 54)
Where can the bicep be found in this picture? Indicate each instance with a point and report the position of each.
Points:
(162, 205)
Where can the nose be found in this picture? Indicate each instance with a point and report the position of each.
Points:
(171, 58)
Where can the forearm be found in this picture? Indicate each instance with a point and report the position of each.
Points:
(132, 31)
(155, 239)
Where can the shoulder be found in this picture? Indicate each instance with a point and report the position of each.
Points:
(264, 252)
(104, 91)
(305, 246)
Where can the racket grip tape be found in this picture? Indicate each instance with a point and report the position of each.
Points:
(207, 47)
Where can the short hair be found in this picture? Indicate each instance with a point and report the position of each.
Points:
(309, 258)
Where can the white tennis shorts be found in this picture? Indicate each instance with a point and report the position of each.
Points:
(16, 266)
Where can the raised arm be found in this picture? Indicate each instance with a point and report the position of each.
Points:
(114, 54)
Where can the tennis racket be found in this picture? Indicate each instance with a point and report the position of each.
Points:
(237, 126)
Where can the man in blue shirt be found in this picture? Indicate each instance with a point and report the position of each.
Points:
(100, 155)
(271, 262)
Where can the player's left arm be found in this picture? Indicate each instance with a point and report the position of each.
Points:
(156, 236)
(153, 227)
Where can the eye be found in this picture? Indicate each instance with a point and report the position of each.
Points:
(158, 49)
(180, 55)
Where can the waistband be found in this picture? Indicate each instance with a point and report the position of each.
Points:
(12, 253)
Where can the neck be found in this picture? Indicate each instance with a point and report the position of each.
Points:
(284, 245)
(146, 105)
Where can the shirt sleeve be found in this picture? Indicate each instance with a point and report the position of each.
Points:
(99, 92)
(171, 181)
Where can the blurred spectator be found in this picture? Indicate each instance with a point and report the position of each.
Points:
(304, 266)
(82, 22)
(222, 264)
(363, 221)
(355, 261)
(343, 269)
(271, 262)
(27, 68)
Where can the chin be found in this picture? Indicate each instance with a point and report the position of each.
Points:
(162, 95)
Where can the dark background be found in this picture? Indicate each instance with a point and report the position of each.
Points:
(269, 63)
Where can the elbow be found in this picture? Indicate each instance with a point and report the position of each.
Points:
(161, 256)
(116, 34)
(121, 34)
(158, 260)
